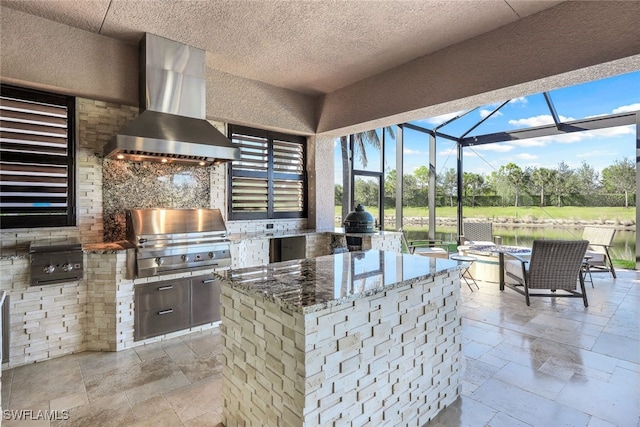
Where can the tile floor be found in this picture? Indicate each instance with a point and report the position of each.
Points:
(555, 363)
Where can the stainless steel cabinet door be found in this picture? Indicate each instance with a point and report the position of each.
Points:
(205, 300)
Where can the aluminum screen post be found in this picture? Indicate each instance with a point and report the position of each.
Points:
(432, 186)
(399, 173)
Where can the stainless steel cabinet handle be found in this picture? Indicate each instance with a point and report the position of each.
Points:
(165, 311)
(210, 280)
(165, 288)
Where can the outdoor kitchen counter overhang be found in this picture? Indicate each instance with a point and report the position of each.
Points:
(381, 329)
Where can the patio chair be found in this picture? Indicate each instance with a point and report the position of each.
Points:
(432, 248)
(600, 240)
(555, 265)
(477, 233)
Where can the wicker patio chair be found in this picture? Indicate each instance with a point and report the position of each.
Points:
(555, 265)
(477, 233)
(600, 240)
(432, 248)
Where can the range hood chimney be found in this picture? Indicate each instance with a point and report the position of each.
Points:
(172, 125)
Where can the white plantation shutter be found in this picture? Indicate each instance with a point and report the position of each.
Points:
(269, 179)
(288, 170)
(36, 159)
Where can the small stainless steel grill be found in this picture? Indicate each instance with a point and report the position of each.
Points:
(174, 240)
(55, 261)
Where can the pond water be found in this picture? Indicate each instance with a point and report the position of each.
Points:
(623, 248)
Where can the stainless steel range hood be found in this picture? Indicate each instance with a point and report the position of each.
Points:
(171, 127)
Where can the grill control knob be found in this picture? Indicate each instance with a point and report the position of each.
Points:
(159, 261)
(212, 255)
(185, 258)
(67, 267)
(49, 269)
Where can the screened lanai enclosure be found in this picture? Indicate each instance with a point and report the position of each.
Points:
(575, 146)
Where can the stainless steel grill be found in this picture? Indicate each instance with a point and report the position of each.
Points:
(56, 261)
(174, 240)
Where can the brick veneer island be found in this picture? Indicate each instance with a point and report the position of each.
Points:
(348, 339)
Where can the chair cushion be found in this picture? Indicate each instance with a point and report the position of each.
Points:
(434, 252)
(514, 267)
(596, 257)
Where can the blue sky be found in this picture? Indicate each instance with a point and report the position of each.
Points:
(598, 148)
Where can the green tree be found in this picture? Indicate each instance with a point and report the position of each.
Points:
(621, 178)
(473, 183)
(587, 179)
(365, 192)
(422, 176)
(563, 181)
(541, 179)
(517, 177)
(450, 184)
(338, 194)
(498, 184)
(390, 188)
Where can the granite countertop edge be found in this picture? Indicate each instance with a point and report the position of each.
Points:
(288, 307)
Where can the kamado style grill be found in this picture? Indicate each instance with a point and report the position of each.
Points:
(176, 240)
(359, 221)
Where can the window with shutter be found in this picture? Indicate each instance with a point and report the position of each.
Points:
(36, 159)
(269, 179)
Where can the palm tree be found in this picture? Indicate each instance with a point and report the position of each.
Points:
(359, 149)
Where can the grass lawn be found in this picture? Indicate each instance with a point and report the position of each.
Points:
(617, 214)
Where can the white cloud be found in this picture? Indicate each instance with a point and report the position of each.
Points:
(541, 120)
(611, 132)
(572, 138)
(520, 100)
(627, 108)
(442, 118)
(484, 113)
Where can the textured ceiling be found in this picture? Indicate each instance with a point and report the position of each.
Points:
(313, 47)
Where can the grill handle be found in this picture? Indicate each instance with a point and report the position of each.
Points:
(168, 311)
(209, 280)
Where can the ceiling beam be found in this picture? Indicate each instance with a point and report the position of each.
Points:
(592, 123)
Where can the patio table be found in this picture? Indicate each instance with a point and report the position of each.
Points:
(489, 265)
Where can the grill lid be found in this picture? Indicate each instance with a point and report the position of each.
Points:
(162, 223)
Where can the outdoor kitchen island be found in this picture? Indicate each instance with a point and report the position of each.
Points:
(356, 338)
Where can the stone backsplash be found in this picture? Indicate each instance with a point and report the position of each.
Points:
(143, 185)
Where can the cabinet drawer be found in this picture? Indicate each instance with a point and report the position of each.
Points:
(171, 318)
(157, 296)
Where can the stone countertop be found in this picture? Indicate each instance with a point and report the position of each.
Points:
(313, 284)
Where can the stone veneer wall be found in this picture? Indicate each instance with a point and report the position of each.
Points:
(45, 321)
(389, 359)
